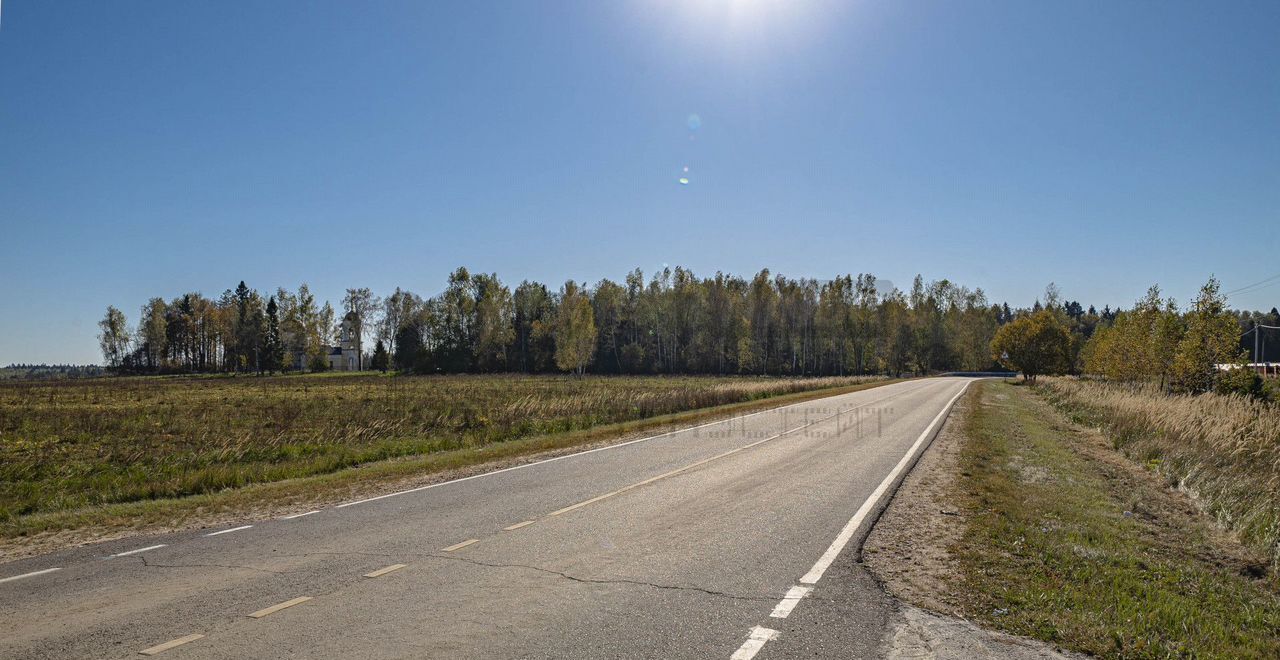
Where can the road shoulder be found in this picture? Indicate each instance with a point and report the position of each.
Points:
(1020, 521)
(909, 552)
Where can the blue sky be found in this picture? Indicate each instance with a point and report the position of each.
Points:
(153, 148)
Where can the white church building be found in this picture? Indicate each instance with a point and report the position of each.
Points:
(345, 356)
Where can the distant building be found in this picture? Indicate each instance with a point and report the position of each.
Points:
(343, 357)
(346, 355)
(1264, 369)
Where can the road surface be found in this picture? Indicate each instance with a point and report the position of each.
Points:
(731, 539)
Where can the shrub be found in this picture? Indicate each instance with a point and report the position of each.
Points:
(1242, 381)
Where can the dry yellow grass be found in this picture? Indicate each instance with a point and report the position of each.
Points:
(1223, 450)
(70, 444)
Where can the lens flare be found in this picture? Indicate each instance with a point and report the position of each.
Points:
(694, 122)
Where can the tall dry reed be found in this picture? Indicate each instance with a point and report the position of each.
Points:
(1223, 450)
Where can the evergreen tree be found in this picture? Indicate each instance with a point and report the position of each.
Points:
(244, 331)
(409, 350)
(273, 344)
(381, 361)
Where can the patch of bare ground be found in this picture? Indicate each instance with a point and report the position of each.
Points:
(923, 634)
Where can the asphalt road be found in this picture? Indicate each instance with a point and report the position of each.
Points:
(712, 542)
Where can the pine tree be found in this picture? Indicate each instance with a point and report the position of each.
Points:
(273, 345)
(381, 360)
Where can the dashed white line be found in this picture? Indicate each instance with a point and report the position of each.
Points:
(704, 461)
(590, 451)
(383, 571)
(276, 608)
(518, 525)
(459, 546)
(760, 635)
(228, 531)
(790, 601)
(824, 562)
(159, 648)
(299, 515)
(134, 552)
(755, 641)
(27, 575)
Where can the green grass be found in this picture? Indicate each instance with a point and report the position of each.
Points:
(135, 452)
(1050, 552)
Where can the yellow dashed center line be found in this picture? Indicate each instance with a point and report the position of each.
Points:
(160, 648)
(459, 546)
(276, 608)
(518, 525)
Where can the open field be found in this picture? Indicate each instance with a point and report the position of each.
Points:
(1223, 450)
(72, 444)
(1052, 534)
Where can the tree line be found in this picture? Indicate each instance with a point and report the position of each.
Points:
(1201, 349)
(243, 330)
(671, 322)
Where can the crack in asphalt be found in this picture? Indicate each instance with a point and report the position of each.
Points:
(475, 562)
(143, 559)
(335, 553)
(574, 578)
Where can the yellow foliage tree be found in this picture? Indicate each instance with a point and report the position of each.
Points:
(575, 330)
(1034, 344)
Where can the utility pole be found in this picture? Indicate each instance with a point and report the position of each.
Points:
(1255, 343)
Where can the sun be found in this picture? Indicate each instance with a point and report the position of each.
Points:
(751, 24)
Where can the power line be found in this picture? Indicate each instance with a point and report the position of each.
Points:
(1255, 284)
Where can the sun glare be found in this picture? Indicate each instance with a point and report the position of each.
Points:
(739, 20)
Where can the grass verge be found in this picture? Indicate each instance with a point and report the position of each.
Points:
(1224, 450)
(18, 535)
(1069, 542)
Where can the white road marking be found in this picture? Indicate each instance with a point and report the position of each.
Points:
(27, 575)
(299, 515)
(134, 552)
(824, 562)
(704, 461)
(228, 531)
(276, 608)
(518, 525)
(459, 546)
(170, 644)
(383, 571)
(755, 641)
(590, 451)
(789, 601)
